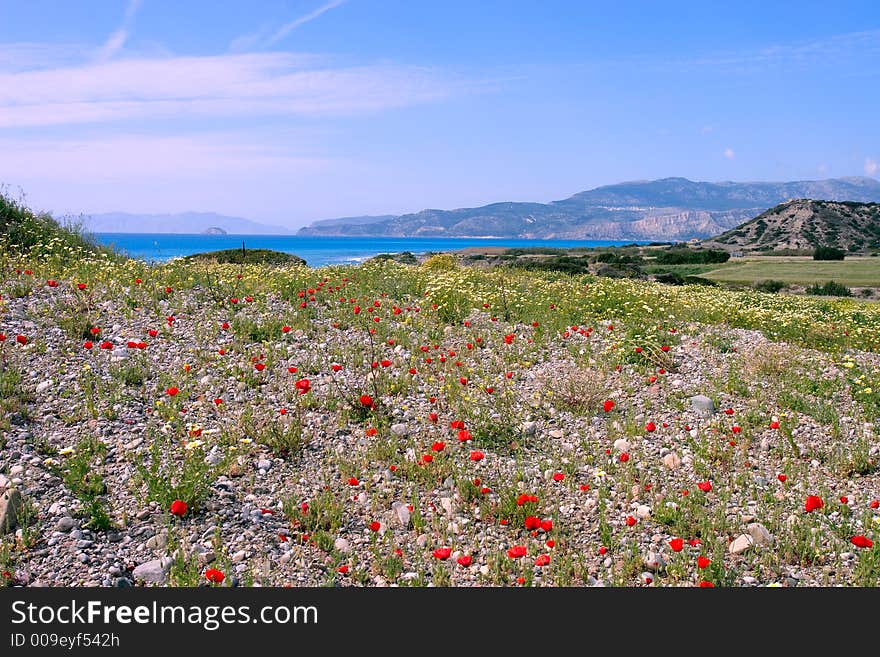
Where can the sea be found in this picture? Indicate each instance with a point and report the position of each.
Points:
(317, 251)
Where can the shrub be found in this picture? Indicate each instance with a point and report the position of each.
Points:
(828, 253)
(692, 257)
(829, 289)
(770, 286)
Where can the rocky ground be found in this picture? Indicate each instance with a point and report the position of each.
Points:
(431, 452)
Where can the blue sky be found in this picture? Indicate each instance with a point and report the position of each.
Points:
(286, 111)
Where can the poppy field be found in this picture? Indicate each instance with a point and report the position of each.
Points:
(194, 424)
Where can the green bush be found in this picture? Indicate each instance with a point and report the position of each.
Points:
(692, 257)
(830, 289)
(771, 286)
(828, 253)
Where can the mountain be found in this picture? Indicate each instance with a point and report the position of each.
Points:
(354, 221)
(186, 222)
(667, 209)
(806, 224)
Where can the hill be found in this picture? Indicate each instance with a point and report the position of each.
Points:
(804, 224)
(184, 222)
(668, 209)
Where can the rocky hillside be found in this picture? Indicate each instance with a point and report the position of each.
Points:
(806, 224)
(667, 209)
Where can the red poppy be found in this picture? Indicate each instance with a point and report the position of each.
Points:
(52, 283)
(438, 446)
(303, 386)
(603, 551)
(87, 345)
(342, 570)
(624, 457)
(508, 339)
(372, 431)
(259, 367)
(375, 526)
(703, 562)
(608, 405)
(477, 455)
(21, 339)
(706, 585)
(107, 345)
(464, 435)
(782, 478)
(875, 504)
(465, 560)
(532, 522)
(677, 544)
(736, 429)
(81, 286)
(442, 553)
(218, 401)
(517, 551)
(813, 502)
(630, 521)
(705, 486)
(584, 487)
(862, 541)
(153, 333)
(178, 508)
(366, 400)
(285, 329)
(215, 576)
(650, 426)
(172, 391)
(664, 348)
(547, 525)
(427, 458)
(774, 424)
(728, 411)
(433, 417)
(558, 476)
(335, 367)
(463, 381)
(353, 481)
(292, 369)
(542, 560)
(550, 543)
(694, 542)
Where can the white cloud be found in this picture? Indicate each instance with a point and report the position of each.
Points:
(729, 154)
(118, 37)
(256, 84)
(707, 130)
(871, 166)
(269, 36)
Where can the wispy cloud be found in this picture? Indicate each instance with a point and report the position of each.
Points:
(256, 84)
(269, 35)
(119, 36)
(871, 166)
(729, 153)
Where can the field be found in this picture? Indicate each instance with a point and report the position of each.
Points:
(852, 272)
(391, 424)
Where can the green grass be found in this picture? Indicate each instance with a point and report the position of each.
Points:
(853, 272)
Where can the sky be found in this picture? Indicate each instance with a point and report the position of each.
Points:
(288, 111)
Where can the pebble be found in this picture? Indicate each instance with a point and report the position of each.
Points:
(740, 544)
(400, 429)
(703, 405)
(65, 524)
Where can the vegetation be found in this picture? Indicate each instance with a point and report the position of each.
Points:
(246, 256)
(829, 289)
(692, 256)
(828, 253)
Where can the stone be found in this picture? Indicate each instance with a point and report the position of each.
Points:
(157, 542)
(740, 544)
(399, 429)
(239, 556)
(10, 505)
(65, 524)
(557, 433)
(672, 461)
(703, 405)
(528, 428)
(654, 561)
(154, 571)
(401, 513)
(4, 483)
(342, 545)
(621, 445)
(447, 504)
(646, 578)
(264, 464)
(43, 386)
(759, 534)
(643, 511)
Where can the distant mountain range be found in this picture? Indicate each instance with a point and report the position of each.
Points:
(185, 222)
(666, 209)
(804, 224)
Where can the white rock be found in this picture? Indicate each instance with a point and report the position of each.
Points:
(621, 445)
(401, 512)
(740, 544)
(153, 572)
(44, 385)
(399, 429)
(672, 461)
(643, 511)
(342, 545)
(759, 534)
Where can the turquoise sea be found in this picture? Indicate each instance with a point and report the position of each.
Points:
(317, 251)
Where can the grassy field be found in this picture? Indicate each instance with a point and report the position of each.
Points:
(852, 272)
